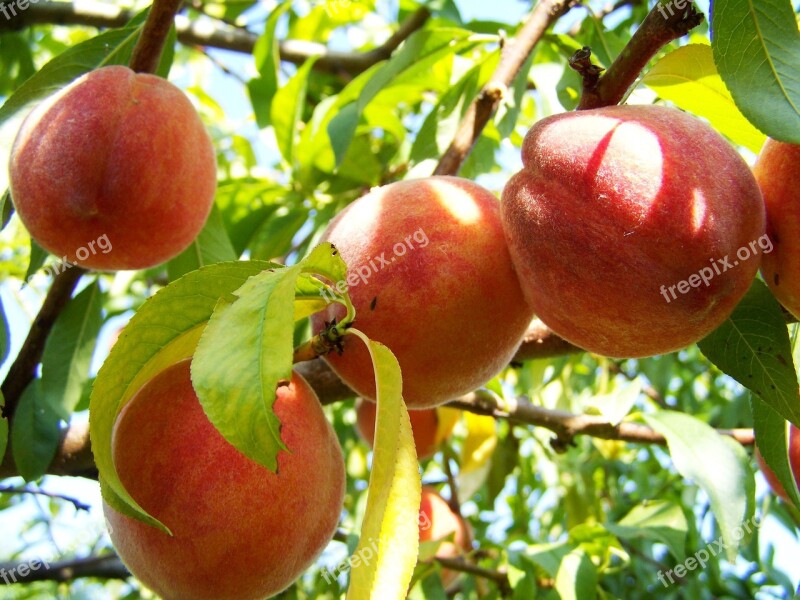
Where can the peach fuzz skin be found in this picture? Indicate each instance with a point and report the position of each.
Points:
(119, 154)
(438, 521)
(424, 427)
(794, 462)
(777, 171)
(240, 531)
(614, 203)
(452, 311)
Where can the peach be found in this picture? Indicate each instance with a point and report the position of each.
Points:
(431, 278)
(424, 427)
(115, 171)
(437, 521)
(777, 171)
(635, 229)
(239, 530)
(794, 462)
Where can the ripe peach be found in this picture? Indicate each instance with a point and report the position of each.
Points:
(625, 224)
(424, 427)
(437, 521)
(239, 531)
(777, 171)
(115, 154)
(431, 278)
(794, 462)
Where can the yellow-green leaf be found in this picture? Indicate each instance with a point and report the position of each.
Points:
(247, 348)
(391, 518)
(688, 77)
(163, 331)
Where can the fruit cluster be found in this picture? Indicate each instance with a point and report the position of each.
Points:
(613, 211)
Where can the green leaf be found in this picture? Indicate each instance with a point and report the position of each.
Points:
(688, 77)
(211, 245)
(442, 122)
(273, 239)
(38, 256)
(772, 440)
(68, 351)
(163, 331)
(421, 50)
(6, 209)
(753, 347)
(246, 350)
(391, 518)
(267, 60)
(112, 47)
(576, 578)
(657, 521)
(756, 45)
(34, 433)
(699, 453)
(287, 110)
(3, 428)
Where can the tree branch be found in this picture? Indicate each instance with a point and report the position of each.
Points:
(662, 25)
(147, 53)
(12, 491)
(108, 566)
(567, 425)
(23, 370)
(222, 36)
(515, 53)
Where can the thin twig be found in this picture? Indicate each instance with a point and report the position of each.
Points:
(108, 566)
(79, 505)
(219, 35)
(147, 53)
(655, 32)
(515, 53)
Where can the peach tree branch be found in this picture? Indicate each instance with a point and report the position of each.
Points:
(662, 25)
(515, 53)
(147, 52)
(218, 34)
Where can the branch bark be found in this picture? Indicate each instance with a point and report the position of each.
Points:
(23, 370)
(661, 26)
(147, 53)
(567, 425)
(220, 35)
(515, 53)
(100, 567)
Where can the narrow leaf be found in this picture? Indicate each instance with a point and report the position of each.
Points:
(68, 351)
(753, 347)
(34, 433)
(394, 495)
(658, 521)
(699, 453)
(287, 110)
(773, 443)
(756, 45)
